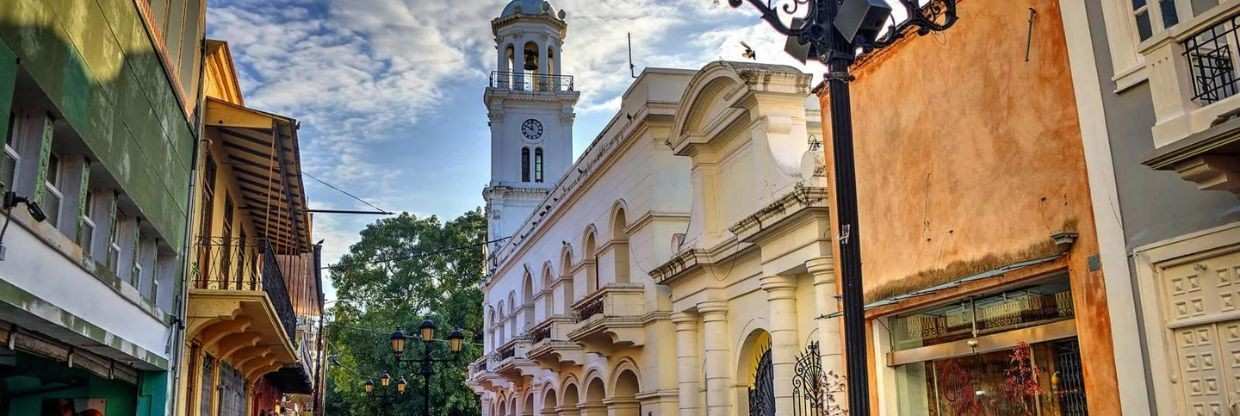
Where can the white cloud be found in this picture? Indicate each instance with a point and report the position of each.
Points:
(362, 74)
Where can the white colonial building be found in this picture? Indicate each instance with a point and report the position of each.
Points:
(651, 275)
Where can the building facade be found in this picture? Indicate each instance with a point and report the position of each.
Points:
(645, 236)
(100, 100)
(1155, 87)
(984, 285)
(254, 301)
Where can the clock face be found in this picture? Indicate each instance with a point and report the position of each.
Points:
(532, 129)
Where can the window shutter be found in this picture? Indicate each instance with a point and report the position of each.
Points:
(83, 191)
(45, 152)
(134, 277)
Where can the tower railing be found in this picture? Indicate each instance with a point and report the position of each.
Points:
(530, 82)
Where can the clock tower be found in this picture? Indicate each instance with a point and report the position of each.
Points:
(530, 106)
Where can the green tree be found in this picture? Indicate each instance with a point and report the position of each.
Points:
(406, 269)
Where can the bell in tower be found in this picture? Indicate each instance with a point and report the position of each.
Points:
(531, 57)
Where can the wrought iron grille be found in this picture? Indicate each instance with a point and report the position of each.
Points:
(1071, 390)
(762, 394)
(1211, 61)
(807, 388)
(519, 81)
(508, 352)
(589, 309)
(244, 265)
(540, 333)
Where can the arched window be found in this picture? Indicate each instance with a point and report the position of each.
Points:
(525, 164)
(538, 165)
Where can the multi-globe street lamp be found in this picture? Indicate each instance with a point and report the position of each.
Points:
(425, 363)
(833, 32)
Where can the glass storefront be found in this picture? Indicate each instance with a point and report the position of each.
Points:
(990, 355)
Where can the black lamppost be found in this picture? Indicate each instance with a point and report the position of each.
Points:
(426, 333)
(385, 393)
(832, 32)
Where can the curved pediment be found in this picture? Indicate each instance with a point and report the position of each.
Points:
(716, 96)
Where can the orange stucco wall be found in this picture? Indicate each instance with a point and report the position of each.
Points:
(966, 150)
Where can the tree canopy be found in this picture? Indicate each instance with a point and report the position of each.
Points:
(404, 270)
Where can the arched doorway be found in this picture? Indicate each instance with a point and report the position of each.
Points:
(549, 403)
(624, 398)
(756, 374)
(595, 394)
(570, 399)
(528, 409)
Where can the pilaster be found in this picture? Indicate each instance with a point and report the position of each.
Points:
(827, 304)
(687, 367)
(782, 303)
(718, 378)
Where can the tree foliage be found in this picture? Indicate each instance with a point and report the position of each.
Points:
(406, 269)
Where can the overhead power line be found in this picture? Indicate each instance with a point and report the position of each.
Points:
(381, 211)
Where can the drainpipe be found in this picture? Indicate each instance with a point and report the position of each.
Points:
(178, 327)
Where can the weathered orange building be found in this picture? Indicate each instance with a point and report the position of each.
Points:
(983, 285)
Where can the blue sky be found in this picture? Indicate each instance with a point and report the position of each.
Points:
(389, 92)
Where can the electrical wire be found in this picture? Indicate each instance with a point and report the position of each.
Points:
(344, 192)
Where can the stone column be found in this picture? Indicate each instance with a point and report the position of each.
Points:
(782, 303)
(718, 378)
(826, 302)
(543, 69)
(687, 362)
(518, 64)
(486, 407)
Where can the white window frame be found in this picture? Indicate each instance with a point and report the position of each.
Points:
(1125, 40)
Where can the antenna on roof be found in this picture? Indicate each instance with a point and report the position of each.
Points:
(632, 68)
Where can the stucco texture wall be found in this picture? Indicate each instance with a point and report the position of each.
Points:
(97, 65)
(969, 156)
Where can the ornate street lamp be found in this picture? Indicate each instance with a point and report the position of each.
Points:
(833, 32)
(425, 363)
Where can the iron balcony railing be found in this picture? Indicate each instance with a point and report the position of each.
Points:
(517, 81)
(507, 352)
(589, 308)
(247, 266)
(1211, 55)
(541, 332)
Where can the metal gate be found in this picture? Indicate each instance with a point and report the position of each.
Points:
(207, 386)
(1071, 390)
(807, 389)
(232, 392)
(762, 394)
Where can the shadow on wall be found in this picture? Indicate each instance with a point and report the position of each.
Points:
(95, 71)
(103, 80)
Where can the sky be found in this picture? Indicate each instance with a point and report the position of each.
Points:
(389, 92)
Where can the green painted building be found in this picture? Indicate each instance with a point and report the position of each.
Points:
(99, 99)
